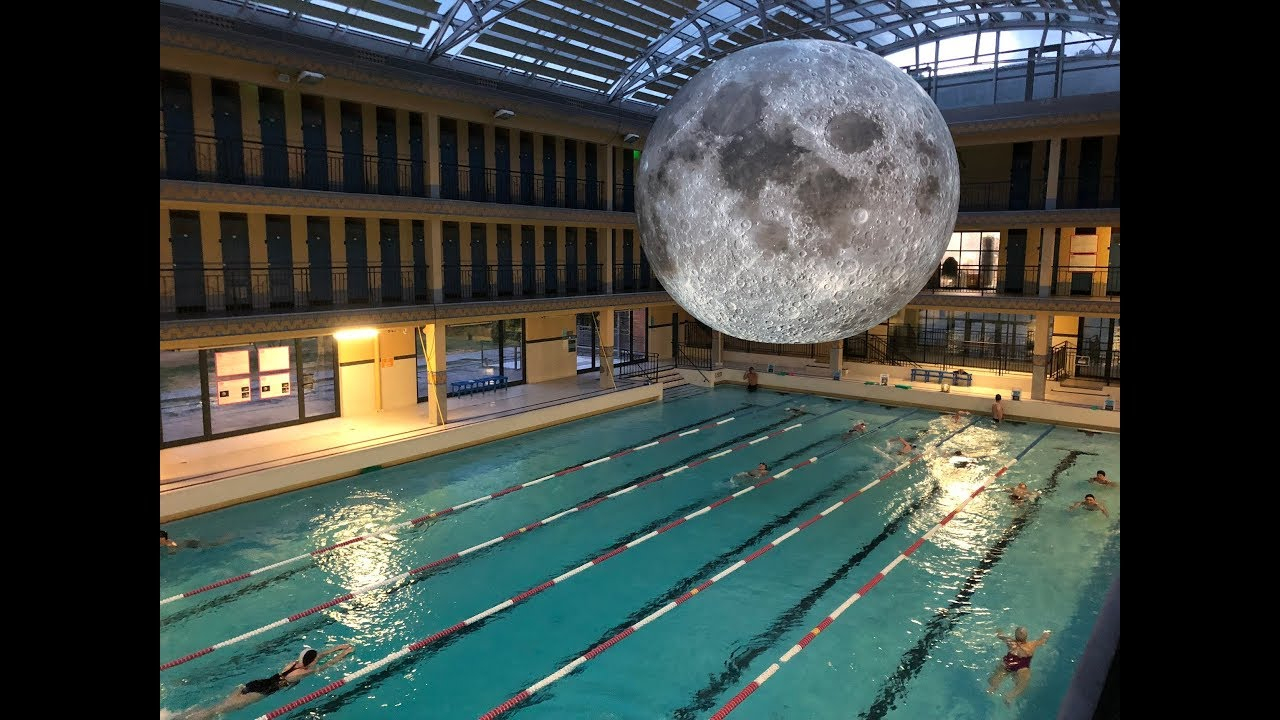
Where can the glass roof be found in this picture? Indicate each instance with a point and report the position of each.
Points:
(614, 51)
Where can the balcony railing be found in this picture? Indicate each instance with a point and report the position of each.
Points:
(1077, 193)
(488, 282)
(204, 290)
(635, 278)
(985, 280)
(247, 290)
(1098, 282)
(1093, 362)
(460, 182)
(806, 350)
(624, 198)
(1073, 194)
(991, 196)
(250, 162)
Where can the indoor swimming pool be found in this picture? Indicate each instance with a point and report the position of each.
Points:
(626, 566)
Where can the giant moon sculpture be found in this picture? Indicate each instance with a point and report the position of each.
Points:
(798, 191)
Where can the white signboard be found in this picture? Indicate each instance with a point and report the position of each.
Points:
(233, 391)
(276, 385)
(232, 363)
(273, 359)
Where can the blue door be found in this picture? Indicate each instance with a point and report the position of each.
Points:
(357, 261)
(279, 261)
(275, 150)
(452, 256)
(479, 261)
(392, 286)
(315, 150)
(528, 261)
(188, 261)
(320, 258)
(228, 133)
(237, 281)
(179, 126)
(505, 281)
(352, 148)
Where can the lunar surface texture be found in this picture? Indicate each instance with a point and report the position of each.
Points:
(798, 191)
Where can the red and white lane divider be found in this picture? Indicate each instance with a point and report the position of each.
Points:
(673, 604)
(364, 589)
(539, 588)
(763, 677)
(440, 513)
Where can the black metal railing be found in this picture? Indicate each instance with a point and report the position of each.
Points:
(238, 161)
(1092, 362)
(624, 198)
(244, 290)
(693, 357)
(250, 162)
(637, 365)
(635, 278)
(1092, 281)
(807, 350)
(984, 279)
(944, 349)
(484, 282)
(461, 182)
(873, 349)
(989, 196)
(1099, 192)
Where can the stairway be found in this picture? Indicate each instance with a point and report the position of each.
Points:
(674, 386)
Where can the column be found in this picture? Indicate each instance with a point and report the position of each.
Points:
(605, 341)
(431, 156)
(1040, 355)
(837, 359)
(1051, 182)
(1047, 245)
(435, 253)
(437, 378)
(606, 236)
(717, 349)
(202, 117)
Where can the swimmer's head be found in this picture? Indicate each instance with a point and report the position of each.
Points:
(1020, 634)
(307, 656)
(1102, 473)
(762, 466)
(164, 535)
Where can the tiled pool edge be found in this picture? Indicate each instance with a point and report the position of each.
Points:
(1081, 700)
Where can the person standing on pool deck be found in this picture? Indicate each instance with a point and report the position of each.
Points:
(753, 380)
(997, 409)
(254, 690)
(1016, 662)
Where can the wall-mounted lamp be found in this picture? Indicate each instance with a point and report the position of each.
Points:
(503, 114)
(308, 77)
(630, 138)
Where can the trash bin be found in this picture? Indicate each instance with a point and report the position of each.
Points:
(770, 367)
(884, 379)
(1109, 404)
(1017, 394)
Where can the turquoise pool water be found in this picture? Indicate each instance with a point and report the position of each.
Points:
(920, 644)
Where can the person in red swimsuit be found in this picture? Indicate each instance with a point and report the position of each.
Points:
(1016, 662)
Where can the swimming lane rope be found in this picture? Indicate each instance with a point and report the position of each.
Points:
(763, 677)
(554, 581)
(365, 589)
(440, 513)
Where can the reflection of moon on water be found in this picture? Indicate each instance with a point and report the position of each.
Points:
(797, 191)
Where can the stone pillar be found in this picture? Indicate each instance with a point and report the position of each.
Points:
(717, 349)
(1040, 355)
(435, 253)
(1047, 246)
(837, 359)
(437, 378)
(605, 340)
